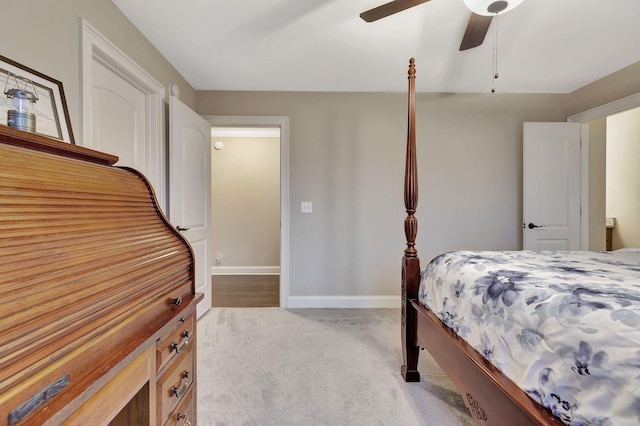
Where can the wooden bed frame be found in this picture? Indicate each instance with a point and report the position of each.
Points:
(490, 396)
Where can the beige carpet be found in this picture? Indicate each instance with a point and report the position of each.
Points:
(271, 366)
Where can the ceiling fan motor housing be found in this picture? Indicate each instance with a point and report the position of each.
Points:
(497, 6)
(491, 7)
(483, 12)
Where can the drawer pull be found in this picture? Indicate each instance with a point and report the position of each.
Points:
(178, 393)
(40, 397)
(180, 348)
(177, 301)
(184, 417)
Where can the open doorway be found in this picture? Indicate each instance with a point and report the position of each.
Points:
(593, 169)
(245, 216)
(612, 138)
(281, 123)
(614, 146)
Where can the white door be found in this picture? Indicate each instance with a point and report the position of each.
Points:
(122, 109)
(118, 118)
(551, 181)
(190, 189)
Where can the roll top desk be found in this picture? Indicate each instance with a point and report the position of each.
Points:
(98, 323)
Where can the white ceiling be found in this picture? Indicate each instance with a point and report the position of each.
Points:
(544, 46)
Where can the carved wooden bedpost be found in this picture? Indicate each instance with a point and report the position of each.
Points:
(410, 260)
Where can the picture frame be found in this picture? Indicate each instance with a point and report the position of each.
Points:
(50, 109)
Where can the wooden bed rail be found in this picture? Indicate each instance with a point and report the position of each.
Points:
(410, 260)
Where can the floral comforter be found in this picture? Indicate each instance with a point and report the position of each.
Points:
(563, 326)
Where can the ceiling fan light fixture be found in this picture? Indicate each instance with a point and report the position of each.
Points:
(491, 7)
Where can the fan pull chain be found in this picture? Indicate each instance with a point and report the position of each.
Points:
(495, 55)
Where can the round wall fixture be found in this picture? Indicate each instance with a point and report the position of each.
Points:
(174, 90)
(218, 145)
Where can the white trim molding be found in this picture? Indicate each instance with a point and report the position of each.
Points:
(96, 47)
(614, 107)
(344, 302)
(245, 270)
(283, 123)
(245, 132)
(584, 186)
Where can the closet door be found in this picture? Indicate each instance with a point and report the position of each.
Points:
(122, 109)
(551, 186)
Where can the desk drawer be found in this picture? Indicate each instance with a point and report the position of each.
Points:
(177, 340)
(185, 411)
(174, 384)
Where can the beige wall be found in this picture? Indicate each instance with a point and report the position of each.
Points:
(623, 177)
(597, 183)
(618, 85)
(347, 157)
(347, 151)
(245, 201)
(43, 35)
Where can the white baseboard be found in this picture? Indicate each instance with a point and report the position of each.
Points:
(343, 302)
(245, 270)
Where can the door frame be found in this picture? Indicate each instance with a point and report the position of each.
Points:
(283, 123)
(610, 108)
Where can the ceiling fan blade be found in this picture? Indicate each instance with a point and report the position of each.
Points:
(476, 30)
(389, 9)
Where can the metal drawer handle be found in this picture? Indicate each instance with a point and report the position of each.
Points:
(178, 393)
(184, 417)
(177, 301)
(182, 228)
(185, 339)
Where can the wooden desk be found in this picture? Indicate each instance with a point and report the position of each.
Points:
(98, 322)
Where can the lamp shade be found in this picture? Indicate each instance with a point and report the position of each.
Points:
(491, 7)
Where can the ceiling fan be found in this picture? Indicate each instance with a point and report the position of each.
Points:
(482, 12)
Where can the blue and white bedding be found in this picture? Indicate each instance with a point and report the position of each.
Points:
(563, 326)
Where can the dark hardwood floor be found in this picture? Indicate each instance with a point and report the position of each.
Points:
(245, 291)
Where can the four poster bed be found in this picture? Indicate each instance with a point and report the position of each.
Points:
(527, 337)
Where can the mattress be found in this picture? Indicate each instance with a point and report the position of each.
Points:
(563, 326)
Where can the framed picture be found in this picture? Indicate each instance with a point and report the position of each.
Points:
(46, 96)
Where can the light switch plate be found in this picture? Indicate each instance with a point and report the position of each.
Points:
(306, 207)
